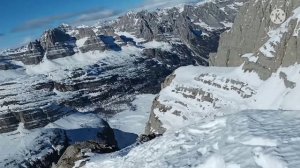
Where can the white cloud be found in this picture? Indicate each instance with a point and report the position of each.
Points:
(154, 4)
(77, 17)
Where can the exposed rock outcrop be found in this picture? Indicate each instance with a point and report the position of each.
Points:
(84, 32)
(33, 53)
(57, 44)
(34, 106)
(53, 37)
(154, 124)
(147, 137)
(92, 44)
(81, 150)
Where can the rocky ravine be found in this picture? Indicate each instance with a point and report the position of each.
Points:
(256, 67)
(101, 68)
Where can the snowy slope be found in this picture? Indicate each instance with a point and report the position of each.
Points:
(133, 120)
(130, 123)
(204, 92)
(249, 139)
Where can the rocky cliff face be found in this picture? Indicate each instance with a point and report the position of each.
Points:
(33, 53)
(33, 104)
(258, 43)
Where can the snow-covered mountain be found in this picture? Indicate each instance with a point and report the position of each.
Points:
(102, 70)
(241, 112)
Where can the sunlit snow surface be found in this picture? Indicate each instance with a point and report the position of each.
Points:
(131, 122)
(249, 139)
(205, 92)
(134, 120)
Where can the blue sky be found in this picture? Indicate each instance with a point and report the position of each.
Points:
(24, 20)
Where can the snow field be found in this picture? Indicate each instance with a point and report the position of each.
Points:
(249, 139)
